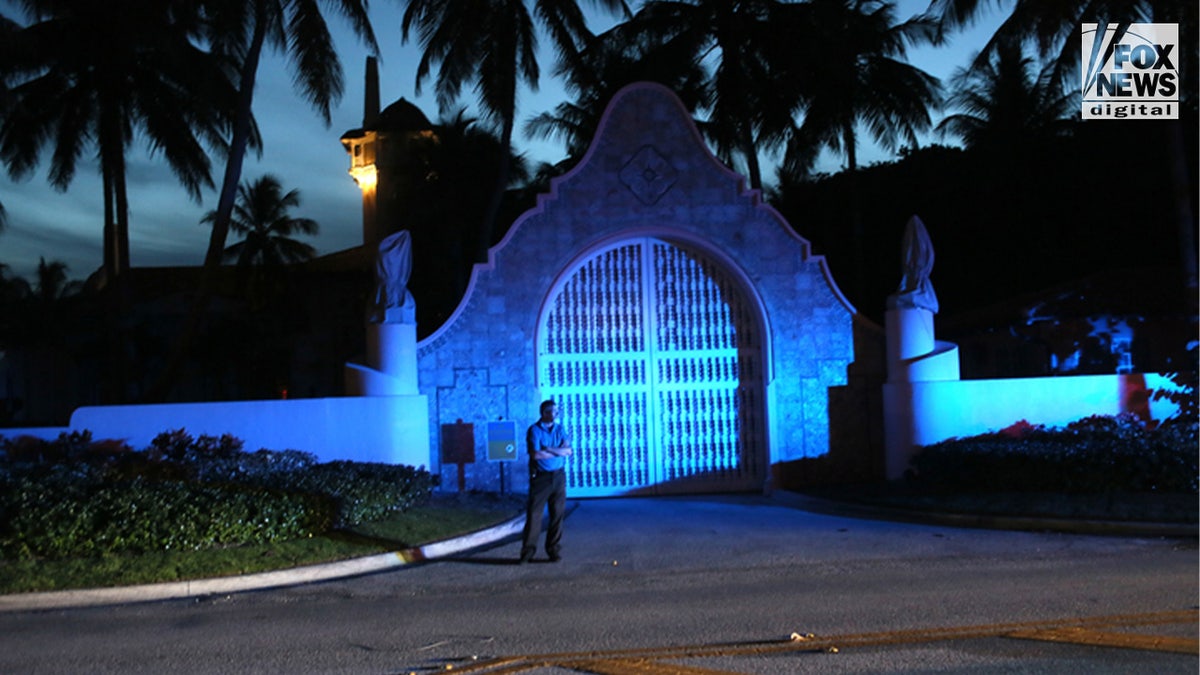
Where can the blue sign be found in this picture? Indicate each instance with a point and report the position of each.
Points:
(502, 441)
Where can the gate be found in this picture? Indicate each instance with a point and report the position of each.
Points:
(653, 354)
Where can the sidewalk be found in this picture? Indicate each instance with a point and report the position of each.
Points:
(511, 528)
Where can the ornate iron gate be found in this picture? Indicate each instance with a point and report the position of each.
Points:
(653, 354)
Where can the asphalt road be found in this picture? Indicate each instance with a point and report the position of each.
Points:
(681, 586)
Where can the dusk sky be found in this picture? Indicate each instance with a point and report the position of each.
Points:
(304, 154)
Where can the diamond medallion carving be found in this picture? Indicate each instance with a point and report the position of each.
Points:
(648, 175)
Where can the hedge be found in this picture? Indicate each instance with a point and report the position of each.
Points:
(1094, 455)
(77, 498)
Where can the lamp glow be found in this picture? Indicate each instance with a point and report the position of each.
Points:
(365, 176)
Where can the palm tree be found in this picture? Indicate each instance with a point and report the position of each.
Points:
(35, 316)
(1055, 29)
(616, 58)
(97, 75)
(52, 284)
(465, 154)
(1005, 105)
(261, 218)
(12, 288)
(446, 212)
(735, 41)
(853, 75)
(240, 31)
(7, 28)
(493, 45)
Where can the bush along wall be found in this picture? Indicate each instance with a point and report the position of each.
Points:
(75, 497)
(1099, 454)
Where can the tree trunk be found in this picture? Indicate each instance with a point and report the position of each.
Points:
(110, 225)
(107, 152)
(116, 252)
(220, 228)
(110, 389)
(237, 154)
(856, 225)
(121, 196)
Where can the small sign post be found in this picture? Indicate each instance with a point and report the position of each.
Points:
(502, 444)
(458, 447)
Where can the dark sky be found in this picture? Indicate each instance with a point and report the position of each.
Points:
(300, 151)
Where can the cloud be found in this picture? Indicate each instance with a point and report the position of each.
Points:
(24, 245)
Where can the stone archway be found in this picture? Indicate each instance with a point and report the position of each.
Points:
(654, 353)
(648, 240)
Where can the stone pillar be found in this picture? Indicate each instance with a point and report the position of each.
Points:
(909, 335)
(391, 362)
(384, 407)
(915, 359)
(392, 351)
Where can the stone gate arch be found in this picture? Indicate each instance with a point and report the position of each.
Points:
(653, 348)
(649, 189)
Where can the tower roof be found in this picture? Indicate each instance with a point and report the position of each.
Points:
(402, 116)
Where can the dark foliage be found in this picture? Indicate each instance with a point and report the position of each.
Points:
(79, 511)
(1005, 221)
(75, 497)
(1093, 455)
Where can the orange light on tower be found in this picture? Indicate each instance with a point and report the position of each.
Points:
(360, 144)
(365, 176)
(388, 157)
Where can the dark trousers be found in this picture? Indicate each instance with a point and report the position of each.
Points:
(546, 488)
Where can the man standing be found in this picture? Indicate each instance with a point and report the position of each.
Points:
(549, 447)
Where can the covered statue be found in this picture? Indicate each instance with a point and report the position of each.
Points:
(916, 292)
(393, 303)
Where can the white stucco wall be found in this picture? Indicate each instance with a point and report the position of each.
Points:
(390, 429)
(923, 413)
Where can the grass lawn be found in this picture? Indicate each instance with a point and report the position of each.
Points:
(443, 517)
(449, 515)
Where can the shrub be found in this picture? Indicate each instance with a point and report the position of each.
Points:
(1093, 455)
(213, 459)
(71, 446)
(81, 510)
(179, 446)
(361, 491)
(75, 497)
(364, 491)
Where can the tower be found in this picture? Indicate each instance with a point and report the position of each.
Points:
(388, 159)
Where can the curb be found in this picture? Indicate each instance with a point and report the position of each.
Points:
(199, 588)
(174, 590)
